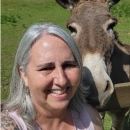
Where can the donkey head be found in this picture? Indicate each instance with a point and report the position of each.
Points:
(91, 25)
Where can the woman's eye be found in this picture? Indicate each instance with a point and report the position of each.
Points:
(46, 69)
(70, 65)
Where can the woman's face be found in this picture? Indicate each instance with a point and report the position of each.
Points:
(52, 73)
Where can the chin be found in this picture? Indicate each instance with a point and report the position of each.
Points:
(60, 106)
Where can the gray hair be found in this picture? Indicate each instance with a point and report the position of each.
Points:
(19, 98)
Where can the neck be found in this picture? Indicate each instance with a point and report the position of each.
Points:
(51, 113)
(120, 61)
(55, 119)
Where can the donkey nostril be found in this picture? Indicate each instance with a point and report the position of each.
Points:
(107, 86)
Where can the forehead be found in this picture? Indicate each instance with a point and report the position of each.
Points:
(90, 10)
(46, 41)
(92, 7)
(49, 44)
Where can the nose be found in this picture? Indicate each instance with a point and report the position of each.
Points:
(105, 91)
(60, 77)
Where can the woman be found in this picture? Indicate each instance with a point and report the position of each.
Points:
(45, 90)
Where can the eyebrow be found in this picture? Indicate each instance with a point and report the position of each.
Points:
(70, 62)
(52, 63)
(45, 64)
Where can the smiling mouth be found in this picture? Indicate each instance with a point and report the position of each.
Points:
(59, 92)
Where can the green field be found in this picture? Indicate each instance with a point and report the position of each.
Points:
(17, 16)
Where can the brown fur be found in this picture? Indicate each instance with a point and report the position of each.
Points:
(91, 21)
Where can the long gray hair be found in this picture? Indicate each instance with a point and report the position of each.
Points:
(19, 98)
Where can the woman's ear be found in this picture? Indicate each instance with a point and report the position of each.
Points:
(24, 76)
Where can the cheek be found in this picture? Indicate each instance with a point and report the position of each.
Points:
(75, 77)
(37, 81)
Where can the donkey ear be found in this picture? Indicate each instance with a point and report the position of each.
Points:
(67, 4)
(110, 3)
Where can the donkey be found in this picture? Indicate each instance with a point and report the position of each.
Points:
(105, 59)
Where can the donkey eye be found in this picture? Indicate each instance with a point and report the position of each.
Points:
(73, 30)
(111, 25)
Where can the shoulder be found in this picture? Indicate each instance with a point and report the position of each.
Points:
(92, 110)
(94, 115)
(7, 123)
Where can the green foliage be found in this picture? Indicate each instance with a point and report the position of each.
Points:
(5, 19)
(122, 9)
(122, 13)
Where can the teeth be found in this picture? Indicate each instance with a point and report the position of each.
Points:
(59, 91)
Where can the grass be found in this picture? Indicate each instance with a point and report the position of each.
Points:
(17, 16)
(122, 13)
